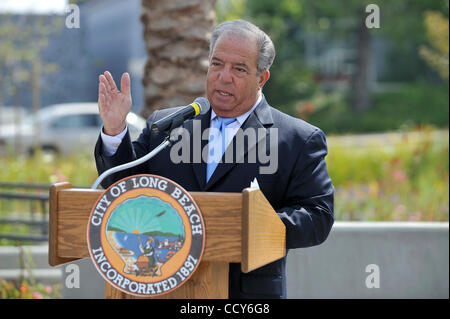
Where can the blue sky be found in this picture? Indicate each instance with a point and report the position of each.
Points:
(33, 6)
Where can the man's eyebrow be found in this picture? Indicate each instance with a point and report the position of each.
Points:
(216, 58)
(241, 64)
(235, 63)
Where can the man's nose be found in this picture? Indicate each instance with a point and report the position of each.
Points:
(225, 75)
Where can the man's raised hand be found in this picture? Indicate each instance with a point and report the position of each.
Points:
(114, 105)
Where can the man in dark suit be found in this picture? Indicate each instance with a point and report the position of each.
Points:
(295, 180)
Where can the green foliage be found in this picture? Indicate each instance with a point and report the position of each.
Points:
(402, 31)
(437, 32)
(391, 178)
(21, 45)
(27, 288)
(404, 108)
(291, 79)
(398, 176)
(229, 10)
(78, 169)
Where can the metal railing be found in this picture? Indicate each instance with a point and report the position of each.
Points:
(37, 195)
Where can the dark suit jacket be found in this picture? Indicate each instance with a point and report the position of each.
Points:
(300, 190)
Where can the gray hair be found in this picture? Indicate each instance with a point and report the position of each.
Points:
(266, 49)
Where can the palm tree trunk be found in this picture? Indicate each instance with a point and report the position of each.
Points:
(177, 34)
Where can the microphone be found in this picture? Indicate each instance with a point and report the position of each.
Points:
(171, 121)
(199, 106)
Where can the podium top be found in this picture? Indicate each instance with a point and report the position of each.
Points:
(240, 227)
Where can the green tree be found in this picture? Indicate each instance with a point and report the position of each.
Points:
(400, 25)
(289, 22)
(23, 38)
(437, 32)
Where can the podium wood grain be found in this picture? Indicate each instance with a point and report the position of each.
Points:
(54, 258)
(263, 232)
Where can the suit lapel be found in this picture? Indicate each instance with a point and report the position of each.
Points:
(197, 145)
(257, 120)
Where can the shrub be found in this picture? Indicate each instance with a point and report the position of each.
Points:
(389, 179)
(406, 108)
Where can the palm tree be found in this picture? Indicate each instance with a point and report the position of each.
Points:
(177, 34)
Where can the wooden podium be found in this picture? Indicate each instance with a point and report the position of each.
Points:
(240, 228)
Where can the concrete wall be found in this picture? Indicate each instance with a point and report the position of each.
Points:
(15, 264)
(412, 260)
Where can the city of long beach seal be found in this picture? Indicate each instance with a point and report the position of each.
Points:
(146, 235)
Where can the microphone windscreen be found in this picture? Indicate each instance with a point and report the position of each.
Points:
(203, 103)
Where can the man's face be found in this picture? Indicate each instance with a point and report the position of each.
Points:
(233, 82)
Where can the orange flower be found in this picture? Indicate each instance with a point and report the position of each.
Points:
(23, 289)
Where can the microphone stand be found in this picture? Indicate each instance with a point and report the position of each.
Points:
(167, 142)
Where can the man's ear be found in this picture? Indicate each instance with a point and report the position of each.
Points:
(263, 77)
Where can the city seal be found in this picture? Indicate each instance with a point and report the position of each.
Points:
(146, 235)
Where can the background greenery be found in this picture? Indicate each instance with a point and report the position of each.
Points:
(413, 89)
(391, 177)
(399, 176)
(408, 107)
(395, 176)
